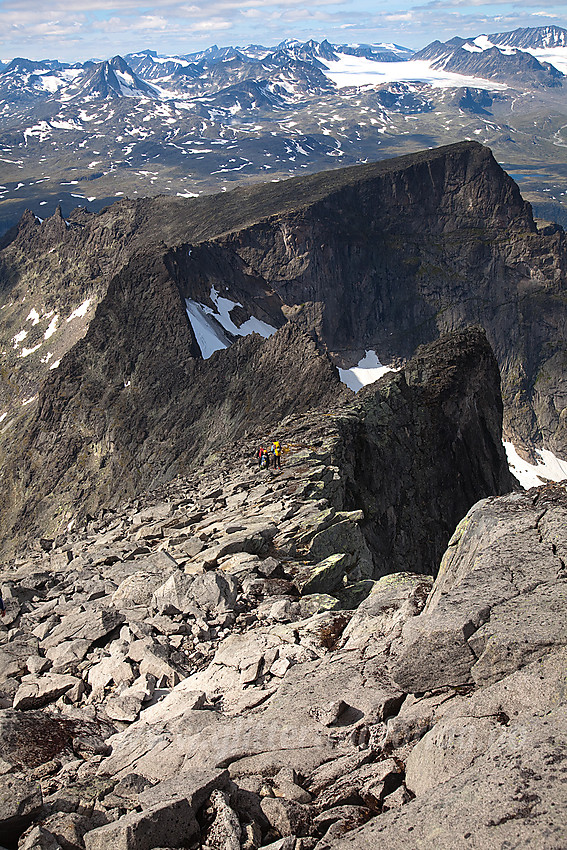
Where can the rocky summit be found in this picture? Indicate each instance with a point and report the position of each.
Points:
(362, 646)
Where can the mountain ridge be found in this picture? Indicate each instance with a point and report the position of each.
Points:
(224, 117)
(380, 258)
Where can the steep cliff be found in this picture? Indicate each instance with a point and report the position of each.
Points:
(397, 255)
(426, 447)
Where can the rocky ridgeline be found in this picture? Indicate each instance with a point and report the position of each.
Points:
(216, 665)
(104, 391)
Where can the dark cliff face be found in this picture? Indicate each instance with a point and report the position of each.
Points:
(392, 259)
(427, 446)
(383, 255)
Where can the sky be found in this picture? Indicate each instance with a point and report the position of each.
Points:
(75, 31)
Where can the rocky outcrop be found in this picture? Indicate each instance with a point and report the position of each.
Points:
(443, 407)
(195, 689)
(496, 718)
(479, 634)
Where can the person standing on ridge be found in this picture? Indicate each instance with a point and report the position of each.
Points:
(263, 458)
(277, 453)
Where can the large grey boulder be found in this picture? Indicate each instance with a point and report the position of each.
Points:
(37, 692)
(160, 749)
(171, 824)
(471, 724)
(90, 625)
(14, 655)
(225, 831)
(327, 575)
(499, 601)
(215, 592)
(20, 801)
(168, 816)
(379, 618)
(514, 795)
(127, 704)
(345, 536)
(137, 589)
(112, 669)
(174, 596)
(39, 838)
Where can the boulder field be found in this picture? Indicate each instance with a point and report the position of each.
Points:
(225, 662)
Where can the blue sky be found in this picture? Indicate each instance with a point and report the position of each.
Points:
(87, 29)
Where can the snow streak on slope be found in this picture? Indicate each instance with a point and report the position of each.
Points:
(551, 468)
(368, 370)
(209, 335)
(224, 306)
(209, 326)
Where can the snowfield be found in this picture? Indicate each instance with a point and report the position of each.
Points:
(358, 71)
(368, 370)
(551, 468)
(209, 325)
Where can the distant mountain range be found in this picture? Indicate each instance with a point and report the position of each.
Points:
(145, 124)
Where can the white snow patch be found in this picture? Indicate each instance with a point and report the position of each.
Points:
(483, 42)
(41, 131)
(26, 351)
(47, 357)
(19, 338)
(4, 415)
(358, 71)
(33, 316)
(29, 400)
(556, 56)
(80, 311)
(472, 48)
(550, 468)
(163, 59)
(251, 325)
(66, 125)
(55, 365)
(209, 325)
(52, 327)
(51, 83)
(368, 370)
(209, 335)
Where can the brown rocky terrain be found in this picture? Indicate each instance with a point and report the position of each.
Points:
(218, 664)
(384, 256)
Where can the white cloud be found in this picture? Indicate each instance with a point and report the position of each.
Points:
(105, 27)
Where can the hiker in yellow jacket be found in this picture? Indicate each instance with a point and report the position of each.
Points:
(277, 454)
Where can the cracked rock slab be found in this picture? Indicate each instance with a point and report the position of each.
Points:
(499, 601)
(499, 801)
